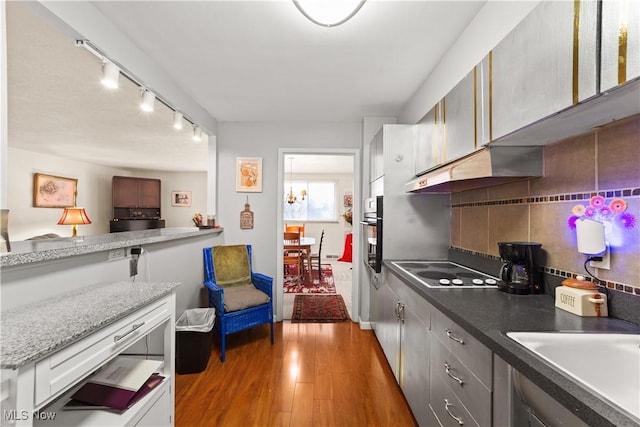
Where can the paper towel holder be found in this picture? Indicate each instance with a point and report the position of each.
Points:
(592, 242)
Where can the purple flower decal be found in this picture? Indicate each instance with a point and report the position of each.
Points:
(589, 212)
(572, 221)
(627, 220)
(605, 212)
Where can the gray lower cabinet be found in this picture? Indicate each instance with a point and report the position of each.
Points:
(403, 333)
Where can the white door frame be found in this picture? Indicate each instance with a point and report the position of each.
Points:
(355, 280)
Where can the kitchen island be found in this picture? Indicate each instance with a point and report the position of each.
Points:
(487, 314)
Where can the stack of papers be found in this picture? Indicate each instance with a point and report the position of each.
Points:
(119, 385)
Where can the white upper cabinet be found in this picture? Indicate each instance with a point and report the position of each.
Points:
(459, 111)
(376, 157)
(546, 64)
(620, 48)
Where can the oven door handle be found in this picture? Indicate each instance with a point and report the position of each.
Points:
(368, 223)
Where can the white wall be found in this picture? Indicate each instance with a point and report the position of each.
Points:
(196, 182)
(94, 194)
(264, 140)
(172, 261)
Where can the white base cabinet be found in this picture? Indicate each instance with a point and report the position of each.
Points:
(34, 394)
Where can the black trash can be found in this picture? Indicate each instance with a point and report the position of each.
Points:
(194, 332)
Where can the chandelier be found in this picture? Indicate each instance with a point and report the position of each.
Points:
(290, 198)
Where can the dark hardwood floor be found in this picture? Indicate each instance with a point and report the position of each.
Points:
(316, 374)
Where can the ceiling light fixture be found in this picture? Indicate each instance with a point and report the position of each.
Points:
(110, 75)
(197, 134)
(148, 99)
(329, 13)
(177, 120)
(290, 198)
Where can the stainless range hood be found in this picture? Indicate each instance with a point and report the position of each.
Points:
(491, 165)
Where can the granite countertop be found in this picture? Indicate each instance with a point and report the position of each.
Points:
(488, 314)
(30, 251)
(29, 333)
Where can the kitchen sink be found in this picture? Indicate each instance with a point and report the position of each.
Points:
(608, 364)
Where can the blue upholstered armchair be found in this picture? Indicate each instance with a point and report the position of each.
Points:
(242, 299)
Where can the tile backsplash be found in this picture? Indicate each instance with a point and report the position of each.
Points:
(604, 162)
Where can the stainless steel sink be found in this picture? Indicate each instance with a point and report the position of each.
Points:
(608, 364)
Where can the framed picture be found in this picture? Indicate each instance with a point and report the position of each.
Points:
(181, 198)
(54, 191)
(249, 175)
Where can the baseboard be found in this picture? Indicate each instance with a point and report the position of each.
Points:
(365, 325)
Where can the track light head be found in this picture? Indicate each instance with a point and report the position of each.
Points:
(197, 134)
(110, 75)
(148, 99)
(177, 120)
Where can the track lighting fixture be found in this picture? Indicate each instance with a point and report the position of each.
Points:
(177, 120)
(148, 99)
(110, 75)
(197, 134)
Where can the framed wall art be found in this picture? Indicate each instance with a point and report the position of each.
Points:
(54, 191)
(181, 198)
(249, 175)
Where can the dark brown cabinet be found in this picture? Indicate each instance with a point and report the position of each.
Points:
(135, 192)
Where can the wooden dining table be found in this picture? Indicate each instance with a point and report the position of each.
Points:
(305, 244)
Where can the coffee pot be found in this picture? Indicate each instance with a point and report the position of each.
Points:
(519, 272)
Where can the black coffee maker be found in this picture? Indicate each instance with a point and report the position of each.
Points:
(519, 273)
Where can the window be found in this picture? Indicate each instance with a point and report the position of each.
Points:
(318, 205)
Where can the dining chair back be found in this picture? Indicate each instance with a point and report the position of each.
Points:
(318, 256)
(293, 255)
(294, 229)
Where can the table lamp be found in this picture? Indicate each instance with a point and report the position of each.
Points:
(74, 216)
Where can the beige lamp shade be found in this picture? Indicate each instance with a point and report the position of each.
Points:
(74, 216)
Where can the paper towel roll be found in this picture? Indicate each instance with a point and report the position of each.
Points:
(590, 233)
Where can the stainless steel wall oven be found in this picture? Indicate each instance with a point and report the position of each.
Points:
(372, 233)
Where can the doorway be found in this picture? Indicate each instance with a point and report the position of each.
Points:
(315, 185)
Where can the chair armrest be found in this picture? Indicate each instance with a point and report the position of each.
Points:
(216, 296)
(262, 282)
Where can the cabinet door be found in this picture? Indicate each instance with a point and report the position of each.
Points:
(459, 119)
(125, 192)
(415, 366)
(546, 64)
(149, 193)
(387, 327)
(428, 142)
(376, 157)
(620, 57)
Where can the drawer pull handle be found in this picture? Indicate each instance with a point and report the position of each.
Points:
(447, 369)
(453, 337)
(446, 408)
(133, 328)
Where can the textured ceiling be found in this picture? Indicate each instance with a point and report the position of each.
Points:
(240, 60)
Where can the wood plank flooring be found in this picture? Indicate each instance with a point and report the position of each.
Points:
(316, 374)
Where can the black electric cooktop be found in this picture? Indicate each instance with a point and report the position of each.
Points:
(446, 274)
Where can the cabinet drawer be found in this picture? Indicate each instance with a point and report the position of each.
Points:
(447, 407)
(471, 352)
(64, 368)
(471, 392)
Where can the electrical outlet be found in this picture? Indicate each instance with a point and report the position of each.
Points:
(605, 264)
(117, 254)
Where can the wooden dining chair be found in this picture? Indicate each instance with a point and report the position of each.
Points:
(295, 229)
(293, 254)
(318, 256)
